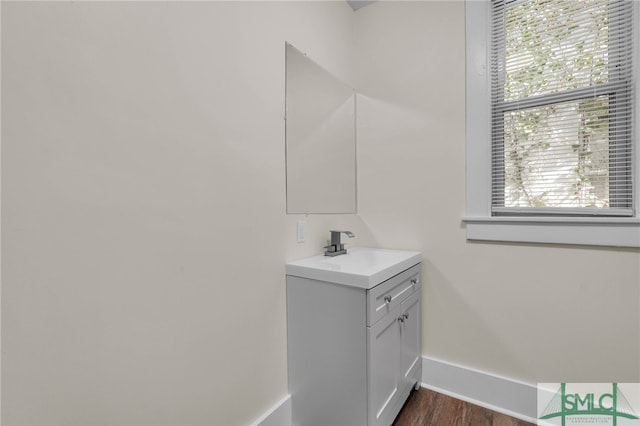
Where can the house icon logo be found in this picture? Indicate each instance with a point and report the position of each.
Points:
(589, 403)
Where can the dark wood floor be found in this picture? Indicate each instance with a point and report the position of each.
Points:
(426, 407)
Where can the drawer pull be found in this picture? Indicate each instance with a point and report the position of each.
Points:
(414, 281)
(387, 299)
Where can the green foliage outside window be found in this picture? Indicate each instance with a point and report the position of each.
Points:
(556, 154)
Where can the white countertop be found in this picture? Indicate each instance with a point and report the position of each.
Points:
(361, 267)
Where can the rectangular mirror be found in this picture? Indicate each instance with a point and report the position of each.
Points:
(320, 138)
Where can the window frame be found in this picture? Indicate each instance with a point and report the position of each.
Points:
(479, 222)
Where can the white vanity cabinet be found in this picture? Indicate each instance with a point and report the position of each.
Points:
(354, 337)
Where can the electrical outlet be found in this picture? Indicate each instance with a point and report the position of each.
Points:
(302, 225)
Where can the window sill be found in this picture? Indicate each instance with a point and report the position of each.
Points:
(594, 231)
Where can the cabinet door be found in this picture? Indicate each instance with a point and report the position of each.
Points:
(384, 346)
(411, 338)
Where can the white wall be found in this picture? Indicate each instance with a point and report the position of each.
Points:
(143, 193)
(527, 312)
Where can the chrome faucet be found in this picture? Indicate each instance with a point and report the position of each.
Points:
(336, 248)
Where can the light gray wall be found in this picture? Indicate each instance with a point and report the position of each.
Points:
(143, 195)
(527, 312)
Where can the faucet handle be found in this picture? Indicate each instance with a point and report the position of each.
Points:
(347, 233)
(335, 237)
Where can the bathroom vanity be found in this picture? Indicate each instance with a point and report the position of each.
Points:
(354, 336)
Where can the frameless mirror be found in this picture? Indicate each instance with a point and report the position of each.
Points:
(320, 138)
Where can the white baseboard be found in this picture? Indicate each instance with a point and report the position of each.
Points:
(511, 397)
(507, 396)
(278, 415)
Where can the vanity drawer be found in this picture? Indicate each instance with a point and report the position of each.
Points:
(386, 296)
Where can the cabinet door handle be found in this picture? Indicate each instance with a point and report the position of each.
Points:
(405, 316)
(401, 318)
(387, 299)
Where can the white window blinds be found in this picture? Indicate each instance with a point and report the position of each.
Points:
(562, 101)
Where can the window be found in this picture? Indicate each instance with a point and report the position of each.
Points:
(551, 122)
(561, 103)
